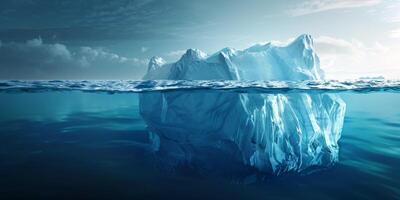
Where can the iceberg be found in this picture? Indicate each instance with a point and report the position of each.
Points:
(271, 133)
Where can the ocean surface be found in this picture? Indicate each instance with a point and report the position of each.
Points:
(87, 140)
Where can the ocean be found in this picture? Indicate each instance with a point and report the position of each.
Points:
(88, 140)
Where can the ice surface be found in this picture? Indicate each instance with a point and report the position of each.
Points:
(274, 133)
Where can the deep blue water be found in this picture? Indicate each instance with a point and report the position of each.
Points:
(72, 144)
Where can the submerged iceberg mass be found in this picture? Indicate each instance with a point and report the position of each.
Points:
(273, 133)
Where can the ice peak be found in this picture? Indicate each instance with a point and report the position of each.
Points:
(258, 47)
(228, 50)
(155, 63)
(304, 40)
(194, 54)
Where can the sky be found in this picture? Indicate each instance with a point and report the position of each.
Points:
(102, 39)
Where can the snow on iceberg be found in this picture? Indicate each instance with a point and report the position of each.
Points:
(274, 133)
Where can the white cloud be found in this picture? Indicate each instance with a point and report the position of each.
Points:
(388, 11)
(391, 11)
(35, 59)
(344, 59)
(315, 6)
(144, 49)
(175, 54)
(395, 33)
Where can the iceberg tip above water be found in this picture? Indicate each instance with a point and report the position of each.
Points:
(295, 62)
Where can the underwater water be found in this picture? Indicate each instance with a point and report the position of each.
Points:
(64, 140)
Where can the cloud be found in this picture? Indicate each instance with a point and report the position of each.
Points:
(391, 11)
(97, 20)
(176, 53)
(347, 59)
(387, 11)
(35, 59)
(315, 6)
(76, 20)
(144, 49)
(395, 33)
